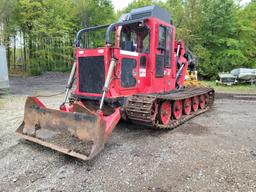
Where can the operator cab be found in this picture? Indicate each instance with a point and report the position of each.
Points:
(142, 43)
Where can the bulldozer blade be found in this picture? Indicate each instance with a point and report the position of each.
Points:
(78, 134)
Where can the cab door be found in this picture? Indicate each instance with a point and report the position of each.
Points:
(159, 81)
(128, 72)
(134, 58)
(164, 57)
(168, 79)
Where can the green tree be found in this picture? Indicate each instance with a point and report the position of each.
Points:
(247, 34)
(219, 34)
(46, 29)
(7, 25)
(94, 12)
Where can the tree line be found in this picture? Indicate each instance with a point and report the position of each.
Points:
(39, 34)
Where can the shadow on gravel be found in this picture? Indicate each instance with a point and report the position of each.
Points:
(125, 127)
(63, 158)
(140, 131)
(4, 92)
(192, 128)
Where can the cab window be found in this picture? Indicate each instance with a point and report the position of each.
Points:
(165, 44)
(162, 37)
(135, 38)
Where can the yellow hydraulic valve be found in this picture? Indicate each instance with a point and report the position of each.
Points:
(191, 79)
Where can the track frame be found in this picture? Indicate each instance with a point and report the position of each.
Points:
(138, 108)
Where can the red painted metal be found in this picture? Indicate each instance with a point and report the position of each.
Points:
(81, 122)
(165, 112)
(144, 84)
(148, 82)
(111, 121)
(195, 103)
(177, 109)
(187, 106)
(36, 100)
(202, 101)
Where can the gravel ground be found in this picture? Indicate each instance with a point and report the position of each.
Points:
(215, 151)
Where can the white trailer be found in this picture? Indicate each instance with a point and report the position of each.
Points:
(4, 79)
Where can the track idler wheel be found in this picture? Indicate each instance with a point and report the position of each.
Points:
(195, 103)
(165, 112)
(201, 101)
(177, 109)
(187, 106)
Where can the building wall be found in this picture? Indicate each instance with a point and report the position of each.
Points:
(4, 79)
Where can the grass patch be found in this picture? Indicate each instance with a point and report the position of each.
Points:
(63, 69)
(238, 88)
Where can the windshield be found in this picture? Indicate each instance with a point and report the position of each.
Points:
(134, 37)
(131, 37)
(93, 39)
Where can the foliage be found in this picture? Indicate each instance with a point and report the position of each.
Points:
(247, 32)
(219, 36)
(221, 33)
(237, 88)
(45, 30)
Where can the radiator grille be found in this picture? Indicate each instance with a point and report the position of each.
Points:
(91, 74)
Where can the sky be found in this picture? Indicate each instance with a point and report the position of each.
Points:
(120, 4)
(244, 2)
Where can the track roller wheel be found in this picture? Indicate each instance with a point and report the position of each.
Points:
(187, 106)
(177, 109)
(207, 97)
(165, 112)
(201, 101)
(195, 103)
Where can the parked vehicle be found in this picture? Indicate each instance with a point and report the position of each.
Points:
(244, 74)
(226, 79)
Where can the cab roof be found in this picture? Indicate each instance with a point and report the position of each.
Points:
(148, 11)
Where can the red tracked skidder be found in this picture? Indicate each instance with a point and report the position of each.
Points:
(137, 74)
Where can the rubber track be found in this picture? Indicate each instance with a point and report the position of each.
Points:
(138, 108)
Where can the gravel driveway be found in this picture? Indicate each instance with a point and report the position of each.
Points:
(215, 151)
